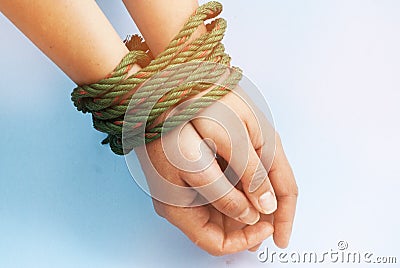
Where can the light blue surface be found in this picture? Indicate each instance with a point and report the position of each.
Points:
(330, 70)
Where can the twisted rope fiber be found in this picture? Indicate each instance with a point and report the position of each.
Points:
(149, 93)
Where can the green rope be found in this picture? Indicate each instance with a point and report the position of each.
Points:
(149, 93)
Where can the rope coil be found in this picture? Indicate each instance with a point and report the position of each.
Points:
(146, 95)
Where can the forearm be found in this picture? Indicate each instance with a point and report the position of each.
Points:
(75, 35)
(160, 20)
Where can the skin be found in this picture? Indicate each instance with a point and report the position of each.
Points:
(72, 33)
(148, 16)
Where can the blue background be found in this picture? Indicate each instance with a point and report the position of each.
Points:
(330, 72)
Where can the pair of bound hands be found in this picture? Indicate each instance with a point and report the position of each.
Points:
(220, 214)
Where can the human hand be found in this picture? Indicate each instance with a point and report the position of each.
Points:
(212, 230)
(272, 174)
(234, 203)
(207, 225)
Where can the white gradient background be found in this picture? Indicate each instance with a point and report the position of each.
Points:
(330, 71)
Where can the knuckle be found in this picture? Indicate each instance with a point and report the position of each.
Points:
(251, 170)
(255, 176)
(295, 190)
(240, 136)
(259, 175)
(189, 154)
(291, 191)
(231, 206)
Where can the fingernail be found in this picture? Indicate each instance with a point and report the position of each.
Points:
(267, 202)
(250, 216)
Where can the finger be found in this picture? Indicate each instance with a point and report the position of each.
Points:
(247, 237)
(269, 149)
(255, 248)
(286, 191)
(244, 161)
(230, 224)
(194, 222)
(210, 181)
(266, 218)
(212, 184)
(263, 197)
(262, 136)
